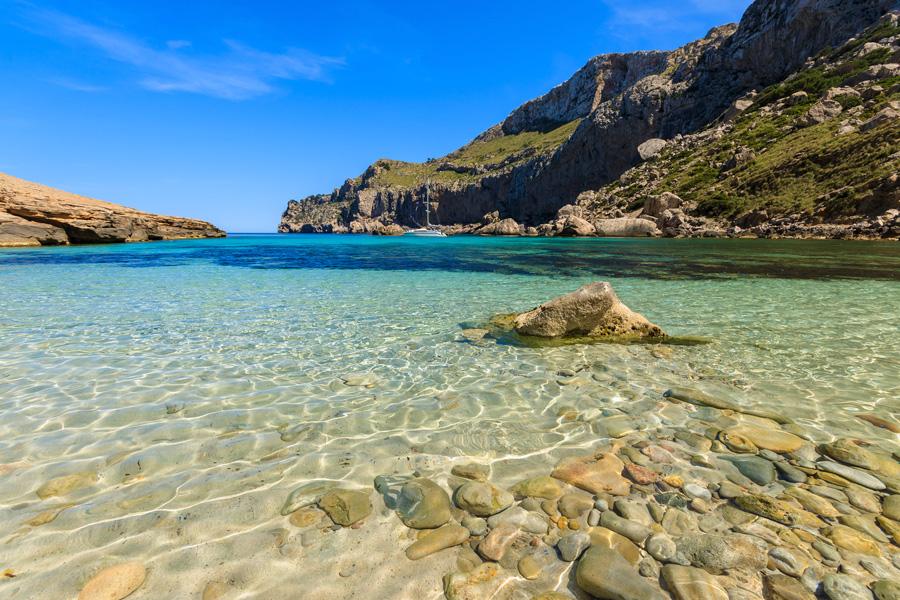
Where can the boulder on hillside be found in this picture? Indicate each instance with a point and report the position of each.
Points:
(504, 227)
(626, 227)
(570, 210)
(838, 92)
(741, 156)
(592, 310)
(797, 98)
(574, 226)
(651, 148)
(885, 115)
(657, 205)
(738, 107)
(821, 111)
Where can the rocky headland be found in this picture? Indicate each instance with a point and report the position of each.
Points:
(36, 215)
(785, 125)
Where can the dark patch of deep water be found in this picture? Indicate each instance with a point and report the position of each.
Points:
(642, 258)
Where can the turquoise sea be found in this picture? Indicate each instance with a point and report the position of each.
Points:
(187, 387)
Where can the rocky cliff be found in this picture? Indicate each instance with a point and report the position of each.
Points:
(36, 215)
(614, 113)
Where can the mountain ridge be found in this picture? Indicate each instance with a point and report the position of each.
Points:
(610, 107)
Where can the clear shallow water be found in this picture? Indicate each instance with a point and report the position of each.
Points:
(200, 382)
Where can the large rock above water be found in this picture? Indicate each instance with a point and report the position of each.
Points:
(36, 215)
(593, 310)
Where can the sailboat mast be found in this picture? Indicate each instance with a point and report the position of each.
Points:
(427, 204)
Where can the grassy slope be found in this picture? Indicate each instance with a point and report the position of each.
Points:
(515, 149)
(793, 166)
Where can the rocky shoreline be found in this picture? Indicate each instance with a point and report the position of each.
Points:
(675, 224)
(37, 215)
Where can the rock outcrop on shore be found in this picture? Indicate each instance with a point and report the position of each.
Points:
(36, 215)
(730, 123)
(593, 310)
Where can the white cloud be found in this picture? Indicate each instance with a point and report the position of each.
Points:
(241, 72)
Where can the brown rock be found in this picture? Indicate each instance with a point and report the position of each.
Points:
(504, 227)
(494, 545)
(305, 517)
(595, 474)
(594, 310)
(346, 507)
(879, 422)
(774, 439)
(34, 214)
(813, 502)
(15, 232)
(115, 582)
(657, 205)
(437, 540)
(392, 229)
(574, 505)
(640, 475)
(781, 587)
(688, 583)
(777, 510)
(852, 540)
(606, 538)
(541, 486)
(603, 573)
(574, 226)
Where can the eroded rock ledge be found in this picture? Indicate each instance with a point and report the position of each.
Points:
(37, 215)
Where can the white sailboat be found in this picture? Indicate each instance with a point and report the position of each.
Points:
(429, 230)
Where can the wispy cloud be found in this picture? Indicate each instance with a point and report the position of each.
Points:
(240, 72)
(76, 85)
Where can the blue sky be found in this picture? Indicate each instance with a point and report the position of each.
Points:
(225, 110)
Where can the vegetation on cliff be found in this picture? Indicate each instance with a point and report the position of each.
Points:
(782, 154)
(790, 114)
(475, 160)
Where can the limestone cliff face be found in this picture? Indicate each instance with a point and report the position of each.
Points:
(34, 215)
(614, 103)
